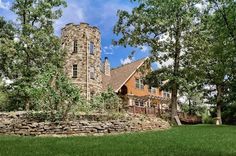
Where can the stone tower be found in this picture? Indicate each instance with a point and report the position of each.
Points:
(83, 65)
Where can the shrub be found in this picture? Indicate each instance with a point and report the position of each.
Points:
(107, 101)
(229, 113)
(207, 119)
(3, 97)
(53, 92)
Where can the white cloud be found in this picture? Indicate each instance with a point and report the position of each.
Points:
(109, 50)
(73, 13)
(4, 5)
(100, 15)
(166, 63)
(126, 60)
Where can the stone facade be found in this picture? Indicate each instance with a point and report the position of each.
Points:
(19, 123)
(82, 44)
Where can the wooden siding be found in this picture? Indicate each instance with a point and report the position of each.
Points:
(131, 86)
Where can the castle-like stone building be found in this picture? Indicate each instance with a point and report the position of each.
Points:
(83, 64)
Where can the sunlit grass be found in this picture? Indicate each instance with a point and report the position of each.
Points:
(202, 140)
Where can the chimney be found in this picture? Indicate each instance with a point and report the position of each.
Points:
(107, 67)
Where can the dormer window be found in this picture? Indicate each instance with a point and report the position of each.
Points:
(74, 71)
(91, 48)
(75, 50)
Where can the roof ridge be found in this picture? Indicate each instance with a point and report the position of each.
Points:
(129, 63)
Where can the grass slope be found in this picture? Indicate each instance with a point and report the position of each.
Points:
(201, 140)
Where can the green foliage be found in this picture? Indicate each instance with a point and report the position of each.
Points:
(229, 113)
(168, 28)
(107, 101)
(199, 41)
(53, 92)
(31, 47)
(206, 119)
(3, 97)
(213, 58)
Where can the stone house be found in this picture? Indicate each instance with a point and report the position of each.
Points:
(83, 65)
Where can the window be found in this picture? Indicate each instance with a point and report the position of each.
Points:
(75, 46)
(152, 90)
(149, 89)
(139, 83)
(139, 103)
(92, 73)
(91, 48)
(74, 71)
(166, 94)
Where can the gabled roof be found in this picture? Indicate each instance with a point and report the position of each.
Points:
(119, 76)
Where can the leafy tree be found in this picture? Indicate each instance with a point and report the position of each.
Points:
(7, 33)
(167, 27)
(214, 53)
(35, 46)
(3, 97)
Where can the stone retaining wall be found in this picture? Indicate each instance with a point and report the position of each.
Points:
(18, 124)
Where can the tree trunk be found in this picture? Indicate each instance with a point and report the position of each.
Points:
(176, 69)
(27, 104)
(189, 107)
(174, 102)
(219, 100)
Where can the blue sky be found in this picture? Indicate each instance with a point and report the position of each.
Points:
(100, 13)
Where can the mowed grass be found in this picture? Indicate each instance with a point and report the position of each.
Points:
(200, 140)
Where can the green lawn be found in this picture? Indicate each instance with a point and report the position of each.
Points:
(178, 141)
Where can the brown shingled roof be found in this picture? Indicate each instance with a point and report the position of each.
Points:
(119, 76)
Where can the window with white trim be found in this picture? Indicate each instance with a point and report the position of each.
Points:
(166, 94)
(139, 83)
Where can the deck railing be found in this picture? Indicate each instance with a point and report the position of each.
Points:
(146, 110)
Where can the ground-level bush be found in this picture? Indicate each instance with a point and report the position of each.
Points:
(55, 93)
(107, 101)
(229, 113)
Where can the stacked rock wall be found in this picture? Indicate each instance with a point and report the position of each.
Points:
(19, 124)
